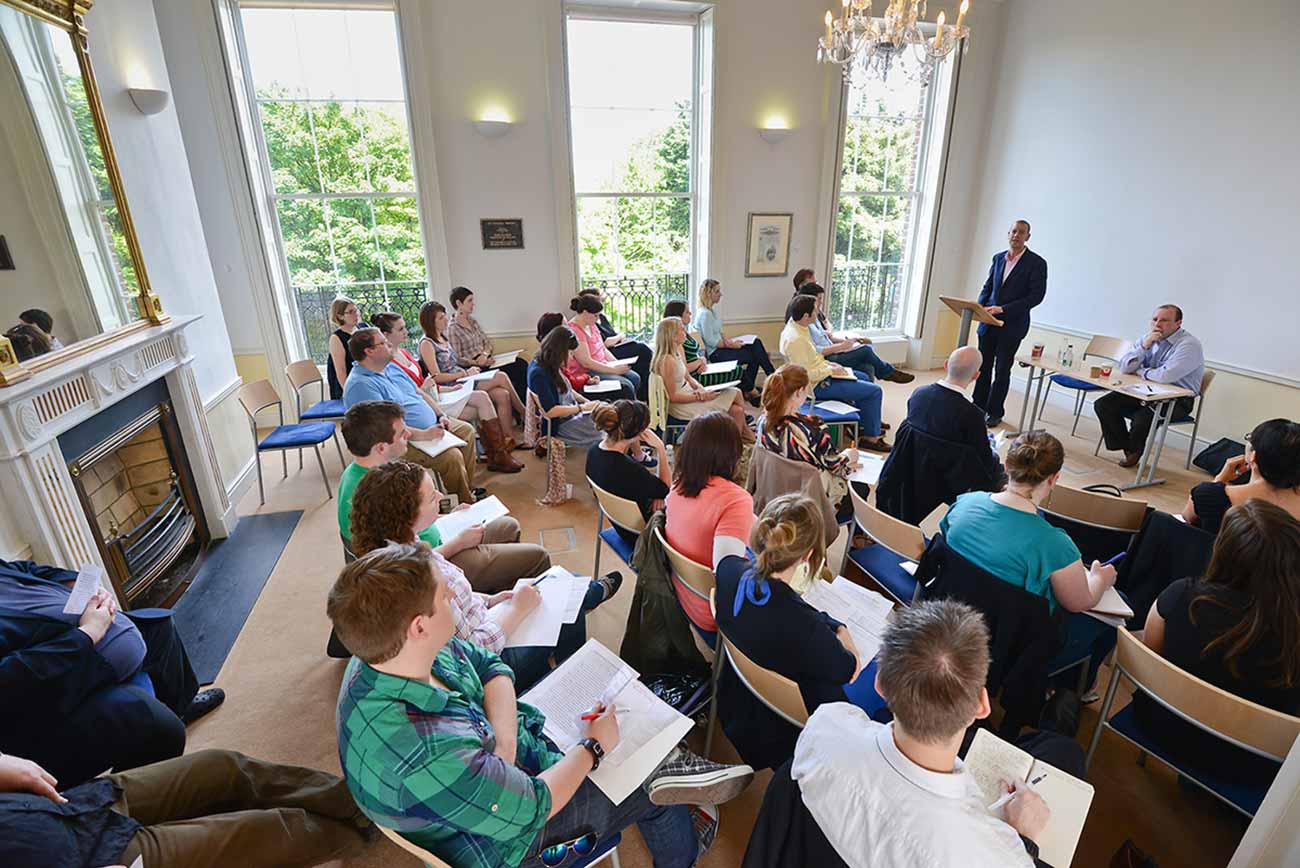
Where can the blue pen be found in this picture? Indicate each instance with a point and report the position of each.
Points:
(540, 580)
(1119, 557)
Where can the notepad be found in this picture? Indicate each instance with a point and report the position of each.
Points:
(865, 617)
(720, 367)
(601, 386)
(869, 472)
(745, 340)
(481, 375)
(992, 760)
(451, 396)
(482, 512)
(503, 359)
(837, 407)
(718, 387)
(1111, 609)
(648, 730)
(434, 448)
(562, 594)
(90, 579)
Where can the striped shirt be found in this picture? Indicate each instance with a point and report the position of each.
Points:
(419, 759)
(468, 339)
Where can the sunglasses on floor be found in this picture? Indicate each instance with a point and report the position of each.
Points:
(557, 854)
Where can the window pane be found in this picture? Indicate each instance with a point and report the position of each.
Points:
(352, 232)
(882, 135)
(291, 147)
(340, 147)
(387, 146)
(597, 231)
(306, 242)
(397, 228)
(870, 243)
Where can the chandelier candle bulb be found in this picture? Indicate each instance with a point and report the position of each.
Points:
(938, 31)
(961, 14)
(829, 19)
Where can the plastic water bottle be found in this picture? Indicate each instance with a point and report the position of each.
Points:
(993, 442)
(1068, 361)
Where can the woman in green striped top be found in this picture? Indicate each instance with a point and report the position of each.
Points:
(695, 359)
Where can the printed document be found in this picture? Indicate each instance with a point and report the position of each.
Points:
(480, 513)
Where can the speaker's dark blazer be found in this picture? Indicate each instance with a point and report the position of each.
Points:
(1023, 290)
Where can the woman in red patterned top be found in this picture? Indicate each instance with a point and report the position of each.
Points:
(790, 434)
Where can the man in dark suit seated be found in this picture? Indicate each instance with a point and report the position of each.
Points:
(942, 448)
(1016, 283)
(83, 693)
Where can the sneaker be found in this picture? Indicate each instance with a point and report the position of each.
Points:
(479, 493)
(704, 822)
(648, 458)
(687, 779)
(203, 702)
(897, 376)
(610, 582)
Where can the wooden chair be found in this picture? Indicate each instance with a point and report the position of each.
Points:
(302, 374)
(433, 861)
(258, 396)
(622, 513)
(895, 541)
(778, 693)
(1100, 347)
(1239, 722)
(1095, 510)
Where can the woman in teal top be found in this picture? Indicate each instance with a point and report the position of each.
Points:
(1003, 534)
(719, 348)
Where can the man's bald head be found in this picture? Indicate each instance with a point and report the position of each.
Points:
(963, 366)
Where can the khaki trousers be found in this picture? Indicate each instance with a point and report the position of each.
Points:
(455, 466)
(501, 559)
(219, 809)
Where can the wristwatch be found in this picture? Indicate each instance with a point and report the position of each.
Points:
(597, 752)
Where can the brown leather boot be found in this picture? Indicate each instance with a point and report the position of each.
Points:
(494, 443)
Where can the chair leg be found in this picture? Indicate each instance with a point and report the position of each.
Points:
(284, 463)
(343, 462)
(1102, 717)
(1042, 408)
(1097, 451)
(600, 522)
(324, 477)
(1078, 411)
(714, 676)
(1191, 447)
(300, 459)
(261, 490)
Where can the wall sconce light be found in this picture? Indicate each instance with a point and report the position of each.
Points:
(774, 129)
(148, 100)
(493, 123)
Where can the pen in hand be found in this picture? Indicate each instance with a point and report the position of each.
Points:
(592, 715)
(1006, 797)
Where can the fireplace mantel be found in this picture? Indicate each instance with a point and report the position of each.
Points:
(40, 500)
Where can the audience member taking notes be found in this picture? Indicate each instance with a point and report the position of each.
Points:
(490, 788)
(1165, 354)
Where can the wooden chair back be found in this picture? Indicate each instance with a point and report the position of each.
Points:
(1106, 347)
(1252, 726)
(1098, 510)
(696, 576)
(302, 372)
(619, 510)
(658, 394)
(418, 852)
(778, 693)
(1206, 379)
(892, 533)
(256, 396)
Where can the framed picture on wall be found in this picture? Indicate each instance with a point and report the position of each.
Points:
(769, 245)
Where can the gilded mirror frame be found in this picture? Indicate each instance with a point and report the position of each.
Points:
(70, 17)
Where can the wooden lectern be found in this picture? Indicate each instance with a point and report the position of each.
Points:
(968, 310)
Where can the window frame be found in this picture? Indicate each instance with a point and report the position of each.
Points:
(927, 188)
(699, 17)
(264, 195)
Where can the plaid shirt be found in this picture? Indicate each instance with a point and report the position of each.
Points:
(419, 759)
(472, 621)
(468, 338)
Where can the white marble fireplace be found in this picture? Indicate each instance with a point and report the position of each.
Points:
(40, 503)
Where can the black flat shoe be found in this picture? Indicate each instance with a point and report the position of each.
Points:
(203, 702)
(479, 493)
(992, 421)
(611, 582)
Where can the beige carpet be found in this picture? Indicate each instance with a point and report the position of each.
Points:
(281, 688)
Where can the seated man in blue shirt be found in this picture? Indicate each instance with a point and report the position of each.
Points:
(1165, 354)
(376, 378)
(435, 745)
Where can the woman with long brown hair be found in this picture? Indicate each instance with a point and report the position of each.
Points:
(570, 417)
(1237, 627)
(395, 501)
(793, 435)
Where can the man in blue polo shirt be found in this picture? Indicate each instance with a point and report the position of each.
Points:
(376, 378)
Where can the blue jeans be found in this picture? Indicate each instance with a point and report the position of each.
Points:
(531, 664)
(861, 393)
(667, 831)
(629, 385)
(864, 359)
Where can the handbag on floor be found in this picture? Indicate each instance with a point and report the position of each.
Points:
(1212, 458)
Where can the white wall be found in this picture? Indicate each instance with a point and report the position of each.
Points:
(1153, 146)
(127, 52)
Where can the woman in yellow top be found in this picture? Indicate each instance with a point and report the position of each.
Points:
(832, 381)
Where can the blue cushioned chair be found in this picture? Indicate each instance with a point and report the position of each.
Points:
(1238, 722)
(1100, 347)
(256, 397)
(622, 513)
(302, 374)
(895, 541)
(607, 849)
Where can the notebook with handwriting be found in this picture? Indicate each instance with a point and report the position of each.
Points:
(992, 760)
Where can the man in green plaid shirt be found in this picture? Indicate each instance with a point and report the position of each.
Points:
(435, 745)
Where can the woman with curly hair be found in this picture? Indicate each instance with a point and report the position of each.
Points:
(396, 501)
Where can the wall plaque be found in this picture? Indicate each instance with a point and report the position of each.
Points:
(502, 233)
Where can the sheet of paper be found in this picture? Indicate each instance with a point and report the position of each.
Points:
(451, 396)
(138, 863)
(875, 602)
(479, 513)
(1149, 391)
(837, 407)
(865, 623)
(502, 359)
(1069, 800)
(908, 567)
(567, 588)
(541, 626)
(869, 472)
(602, 386)
(89, 579)
(718, 387)
(1111, 603)
(481, 375)
(745, 340)
(720, 367)
(648, 730)
(434, 448)
(992, 760)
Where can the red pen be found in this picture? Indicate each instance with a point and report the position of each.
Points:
(592, 715)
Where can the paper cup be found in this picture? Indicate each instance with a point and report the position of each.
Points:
(1038, 351)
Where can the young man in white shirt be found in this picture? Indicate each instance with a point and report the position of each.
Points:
(896, 795)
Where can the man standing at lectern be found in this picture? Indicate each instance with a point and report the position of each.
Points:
(1017, 282)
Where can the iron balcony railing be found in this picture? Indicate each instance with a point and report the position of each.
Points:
(635, 304)
(866, 296)
(313, 303)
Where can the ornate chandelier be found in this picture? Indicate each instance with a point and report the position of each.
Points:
(860, 44)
